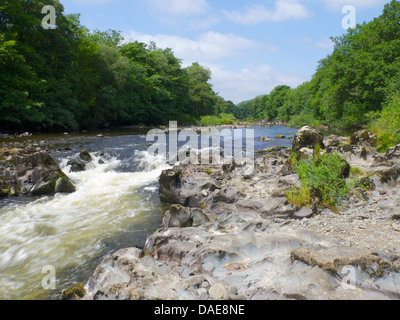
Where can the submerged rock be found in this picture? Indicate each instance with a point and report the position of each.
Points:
(77, 292)
(80, 164)
(85, 156)
(76, 165)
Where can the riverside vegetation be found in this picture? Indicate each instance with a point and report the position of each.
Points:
(72, 78)
(232, 236)
(358, 84)
(329, 203)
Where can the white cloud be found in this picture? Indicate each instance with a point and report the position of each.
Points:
(209, 46)
(325, 43)
(251, 81)
(283, 10)
(201, 24)
(307, 42)
(180, 7)
(245, 84)
(358, 4)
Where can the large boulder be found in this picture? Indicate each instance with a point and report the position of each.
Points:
(308, 137)
(187, 186)
(364, 138)
(25, 171)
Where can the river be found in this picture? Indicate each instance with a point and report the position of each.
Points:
(116, 206)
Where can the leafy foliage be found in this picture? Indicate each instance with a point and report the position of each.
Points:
(321, 178)
(387, 126)
(71, 77)
(222, 119)
(357, 83)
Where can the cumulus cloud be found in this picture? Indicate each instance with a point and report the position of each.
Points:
(208, 46)
(251, 81)
(283, 10)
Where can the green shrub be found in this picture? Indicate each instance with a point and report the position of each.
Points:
(210, 121)
(321, 178)
(355, 171)
(186, 119)
(387, 127)
(217, 121)
(302, 119)
(227, 116)
(364, 182)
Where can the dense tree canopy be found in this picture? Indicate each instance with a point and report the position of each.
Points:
(70, 77)
(351, 86)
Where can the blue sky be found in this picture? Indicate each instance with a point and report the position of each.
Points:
(250, 46)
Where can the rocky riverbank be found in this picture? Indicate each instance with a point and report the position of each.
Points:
(236, 125)
(28, 169)
(233, 235)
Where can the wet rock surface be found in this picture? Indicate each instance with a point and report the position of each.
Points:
(250, 243)
(30, 170)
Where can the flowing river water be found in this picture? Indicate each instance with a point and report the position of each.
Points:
(116, 206)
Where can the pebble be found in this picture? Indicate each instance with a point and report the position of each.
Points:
(303, 214)
(218, 292)
(202, 291)
(208, 267)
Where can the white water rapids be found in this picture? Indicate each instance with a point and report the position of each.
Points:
(67, 231)
(116, 206)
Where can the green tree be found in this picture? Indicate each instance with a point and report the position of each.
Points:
(201, 95)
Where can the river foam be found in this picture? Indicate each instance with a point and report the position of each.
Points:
(66, 231)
